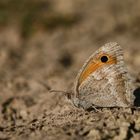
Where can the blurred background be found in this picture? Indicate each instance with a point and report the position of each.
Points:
(47, 42)
(43, 36)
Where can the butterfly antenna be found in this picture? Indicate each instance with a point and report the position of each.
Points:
(59, 91)
(44, 85)
(67, 94)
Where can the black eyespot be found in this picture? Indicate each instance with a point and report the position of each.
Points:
(104, 59)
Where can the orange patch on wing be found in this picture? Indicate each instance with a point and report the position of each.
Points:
(95, 64)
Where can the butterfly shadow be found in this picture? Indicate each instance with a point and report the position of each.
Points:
(137, 97)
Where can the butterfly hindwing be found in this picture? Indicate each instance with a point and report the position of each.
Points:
(103, 80)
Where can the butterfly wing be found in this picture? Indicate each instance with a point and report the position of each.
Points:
(103, 80)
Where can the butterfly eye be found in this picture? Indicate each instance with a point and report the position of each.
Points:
(104, 59)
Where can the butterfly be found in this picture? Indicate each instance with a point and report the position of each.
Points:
(104, 81)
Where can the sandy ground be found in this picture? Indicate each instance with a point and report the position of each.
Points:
(51, 59)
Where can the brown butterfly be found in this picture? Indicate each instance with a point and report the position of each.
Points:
(104, 81)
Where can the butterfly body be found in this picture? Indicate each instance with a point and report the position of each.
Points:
(104, 81)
